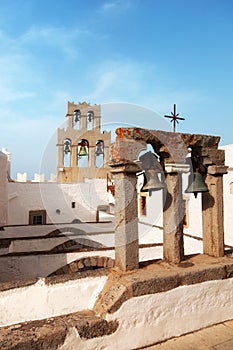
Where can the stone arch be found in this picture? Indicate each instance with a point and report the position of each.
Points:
(78, 244)
(84, 264)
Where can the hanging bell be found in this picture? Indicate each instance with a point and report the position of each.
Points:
(152, 182)
(99, 148)
(83, 149)
(66, 147)
(198, 185)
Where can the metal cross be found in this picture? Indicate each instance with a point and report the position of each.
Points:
(174, 118)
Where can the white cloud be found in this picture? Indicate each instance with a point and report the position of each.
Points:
(64, 39)
(117, 5)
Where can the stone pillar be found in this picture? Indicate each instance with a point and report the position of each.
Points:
(69, 121)
(83, 122)
(91, 162)
(73, 155)
(96, 122)
(212, 212)
(60, 159)
(3, 190)
(126, 216)
(173, 214)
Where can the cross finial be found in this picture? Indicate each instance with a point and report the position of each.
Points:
(174, 117)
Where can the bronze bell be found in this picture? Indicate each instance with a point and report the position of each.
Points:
(99, 148)
(83, 149)
(198, 185)
(152, 182)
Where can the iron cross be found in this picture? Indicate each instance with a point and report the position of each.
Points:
(174, 118)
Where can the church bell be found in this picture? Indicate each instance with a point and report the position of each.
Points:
(198, 185)
(152, 182)
(99, 148)
(83, 149)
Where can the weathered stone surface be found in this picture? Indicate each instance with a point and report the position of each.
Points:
(212, 217)
(80, 265)
(160, 277)
(172, 149)
(93, 261)
(126, 217)
(173, 216)
(17, 284)
(77, 275)
(49, 334)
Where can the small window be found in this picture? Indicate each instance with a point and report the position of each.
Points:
(73, 205)
(142, 205)
(37, 217)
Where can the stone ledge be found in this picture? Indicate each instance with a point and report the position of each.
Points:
(17, 284)
(76, 275)
(51, 333)
(160, 277)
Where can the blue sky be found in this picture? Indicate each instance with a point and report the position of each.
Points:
(152, 53)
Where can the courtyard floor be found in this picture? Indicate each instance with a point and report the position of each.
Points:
(218, 337)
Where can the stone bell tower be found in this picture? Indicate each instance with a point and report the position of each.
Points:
(82, 149)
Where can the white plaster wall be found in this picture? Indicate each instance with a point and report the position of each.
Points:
(3, 189)
(31, 266)
(42, 265)
(228, 207)
(154, 214)
(148, 319)
(40, 301)
(228, 197)
(56, 199)
(194, 217)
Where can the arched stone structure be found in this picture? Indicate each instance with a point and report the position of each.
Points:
(86, 263)
(172, 148)
(79, 117)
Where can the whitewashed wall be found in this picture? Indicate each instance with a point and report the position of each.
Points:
(13, 268)
(56, 199)
(153, 318)
(3, 189)
(228, 197)
(40, 301)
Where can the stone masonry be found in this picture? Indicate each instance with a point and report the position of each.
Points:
(172, 149)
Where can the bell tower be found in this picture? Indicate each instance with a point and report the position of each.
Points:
(82, 149)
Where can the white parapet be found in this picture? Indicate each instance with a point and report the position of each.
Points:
(21, 177)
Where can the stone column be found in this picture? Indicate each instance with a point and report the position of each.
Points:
(60, 157)
(126, 216)
(83, 122)
(73, 155)
(212, 212)
(91, 162)
(173, 214)
(96, 122)
(69, 121)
